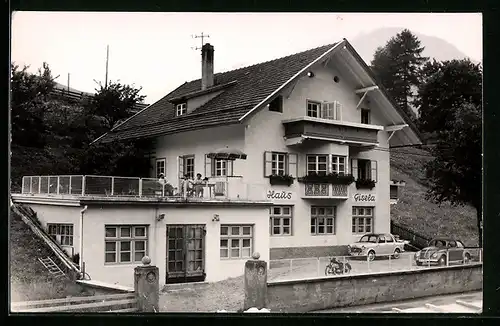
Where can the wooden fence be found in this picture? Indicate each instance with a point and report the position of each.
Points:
(126, 302)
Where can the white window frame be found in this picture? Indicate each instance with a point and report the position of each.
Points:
(185, 161)
(220, 167)
(336, 164)
(317, 104)
(63, 233)
(160, 169)
(282, 213)
(278, 158)
(181, 109)
(317, 217)
(117, 240)
(362, 219)
(317, 164)
(228, 238)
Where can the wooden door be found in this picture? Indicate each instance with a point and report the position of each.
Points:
(185, 253)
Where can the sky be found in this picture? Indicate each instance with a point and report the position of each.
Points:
(156, 51)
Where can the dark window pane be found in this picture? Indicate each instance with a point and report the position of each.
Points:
(110, 258)
(140, 232)
(140, 245)
(111, 232)
(125, 232)
(138, 256)
(110, 246)
(125, 257)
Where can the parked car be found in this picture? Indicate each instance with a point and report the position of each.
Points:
(441, 251)
(373, 244)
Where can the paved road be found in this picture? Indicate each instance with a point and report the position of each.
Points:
(447, 301)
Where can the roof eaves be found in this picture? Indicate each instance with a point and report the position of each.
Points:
(384, 90)
(268, 98)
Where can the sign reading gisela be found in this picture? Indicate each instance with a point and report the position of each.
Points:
(364, 198)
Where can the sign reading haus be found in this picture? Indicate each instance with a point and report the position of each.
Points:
(364, 198)
(283, 195)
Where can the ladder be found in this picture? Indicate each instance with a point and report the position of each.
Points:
(53, 269)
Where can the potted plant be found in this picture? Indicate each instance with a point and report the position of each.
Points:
(284, 179)
(333, 178)
(365, 184)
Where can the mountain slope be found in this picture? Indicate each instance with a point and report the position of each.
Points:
(421, 215)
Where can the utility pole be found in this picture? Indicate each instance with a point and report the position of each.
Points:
(107, 59)
(68, 82)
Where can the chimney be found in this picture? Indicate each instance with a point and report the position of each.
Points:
(207, 66)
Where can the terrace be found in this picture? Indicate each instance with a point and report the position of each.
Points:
(220, 188)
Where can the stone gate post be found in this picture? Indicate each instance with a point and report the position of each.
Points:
(147, 286)
(255, 283)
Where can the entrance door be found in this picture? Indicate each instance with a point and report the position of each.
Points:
(185, 253)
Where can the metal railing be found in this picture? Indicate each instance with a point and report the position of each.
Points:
(325, 190)
(94, 185)
(416, 239)
(304, 268)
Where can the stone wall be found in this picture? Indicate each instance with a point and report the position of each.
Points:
(307, 252)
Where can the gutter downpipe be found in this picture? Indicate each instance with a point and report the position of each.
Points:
(81, 237)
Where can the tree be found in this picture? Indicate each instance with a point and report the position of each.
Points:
(29, 93)
(446, 85)
(456, 170)
(397, 66)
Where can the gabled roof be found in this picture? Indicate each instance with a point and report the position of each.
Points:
(247, 87)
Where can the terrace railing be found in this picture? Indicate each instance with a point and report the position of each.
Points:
(94, 185)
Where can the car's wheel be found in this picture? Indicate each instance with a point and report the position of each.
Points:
(466, 258)
(371, 255)
(329, 270)
(347, 268)
(442, 260)
(397, 253)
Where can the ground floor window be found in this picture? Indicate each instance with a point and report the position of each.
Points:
(236, 241)
(322, 220)
(62, 233)
(362, 219)
(125, 243)
(281, 220)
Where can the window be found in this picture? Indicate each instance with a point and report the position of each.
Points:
(236, 241)
(322, 220)
(313, 109)
(281, 220)
(317, 164)
(125, 243)
(365, 116)
(381, 239)
(388, 239)
(362, 219)
(220, 167)
(276, 105)
(364, 169)
(329, 110)
(181, 109)
(160, 167)
(338, 164)
(186, 166)
(280, 163)
(62, 233)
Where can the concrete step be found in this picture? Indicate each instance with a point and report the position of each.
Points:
(178, 287)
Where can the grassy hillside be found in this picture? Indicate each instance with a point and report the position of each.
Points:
(422, 216)
(29, 279)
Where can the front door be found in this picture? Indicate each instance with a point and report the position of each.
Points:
(185, 253)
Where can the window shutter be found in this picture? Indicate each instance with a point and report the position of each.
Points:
(181, 166)
(229, 164)
(338, 110)
(268, 160)
(208, 166)
(328, 163)
(324, 111)
(292, 164)
(331, 110)
(354, 168)
(374, 170)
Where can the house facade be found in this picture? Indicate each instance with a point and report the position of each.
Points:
(313, 132)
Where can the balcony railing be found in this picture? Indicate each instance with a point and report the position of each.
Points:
(325, 190)
(110, 186)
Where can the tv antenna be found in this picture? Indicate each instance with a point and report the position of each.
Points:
(202, 36)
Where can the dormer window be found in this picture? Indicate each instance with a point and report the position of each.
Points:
(181, 109)
(276, 105)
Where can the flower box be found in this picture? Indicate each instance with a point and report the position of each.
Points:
(365, 184)
(333, 178)
(282, 180)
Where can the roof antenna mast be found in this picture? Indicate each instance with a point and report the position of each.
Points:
(202, 36)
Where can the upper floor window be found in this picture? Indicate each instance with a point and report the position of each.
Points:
(278, 163)
(330, 110)
(365, 116)
(160, 167)
(364, 169)
(186, 166)
(338, 164)
(317, 164)
(181, 109)
(218, 167)
(276, 105)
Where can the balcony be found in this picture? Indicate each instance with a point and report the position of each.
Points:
(220, 188)
(325, 191)
(299, 129)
